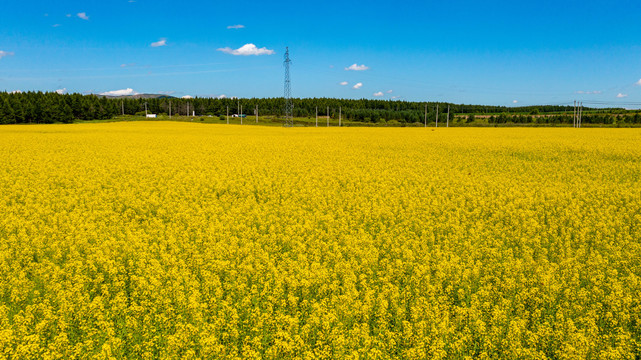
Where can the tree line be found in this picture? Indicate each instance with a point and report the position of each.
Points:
(51, 107)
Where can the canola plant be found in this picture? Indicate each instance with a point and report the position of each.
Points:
(155, 240)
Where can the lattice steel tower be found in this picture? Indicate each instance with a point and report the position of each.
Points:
(289, 106)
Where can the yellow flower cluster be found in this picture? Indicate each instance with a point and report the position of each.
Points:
(155, 240)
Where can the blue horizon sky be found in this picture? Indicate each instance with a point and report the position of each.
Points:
(494, 52)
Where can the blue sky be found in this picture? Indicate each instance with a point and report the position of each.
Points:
(482, 52)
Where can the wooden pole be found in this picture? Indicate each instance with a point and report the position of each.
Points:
(426, 115)
(448, 116)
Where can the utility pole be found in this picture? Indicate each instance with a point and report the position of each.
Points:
(574, 115)
(328, 116)
(340, 116)
(317, 116)
(122, 104)
(448, 116)
(187, 108)
(170, 109)
(145, 109)
(241, 114)
(425, 114)
(580, 113)
(436, 115)
(227, 114)
(257, 114)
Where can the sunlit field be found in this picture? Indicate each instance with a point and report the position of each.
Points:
(184, 240)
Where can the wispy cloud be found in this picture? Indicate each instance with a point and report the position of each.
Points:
(239, 26)
(127, 65)
(83, 16)
(246, 50)
(588, 92)
(515, 101)
(355, 67)
(55, 25)
(638, 83)
(343, 83)
(357, 86)
(122, 92)
(61, 91)
(395, 97)
(6, 53)
(621, 96)
(161, 42)
(68, 15)
(377, 94)
(390, 91)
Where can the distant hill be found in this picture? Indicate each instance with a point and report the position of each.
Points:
(138, 96)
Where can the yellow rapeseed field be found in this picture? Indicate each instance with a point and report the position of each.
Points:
(152, 240)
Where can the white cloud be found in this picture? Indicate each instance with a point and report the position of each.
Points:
(187, 97)
(390, 91)
(357, 86)
(61, 91)
(514, 101)
(247, 49)
(343, 83)
(638, 83)
(83, 16)
(16, 92)
(355, 67)
(239, 26)
(122, 92)
(380, 93)
(5, 53)
(222, 96)
(161, 42)
(395, 97)
(621, 96)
